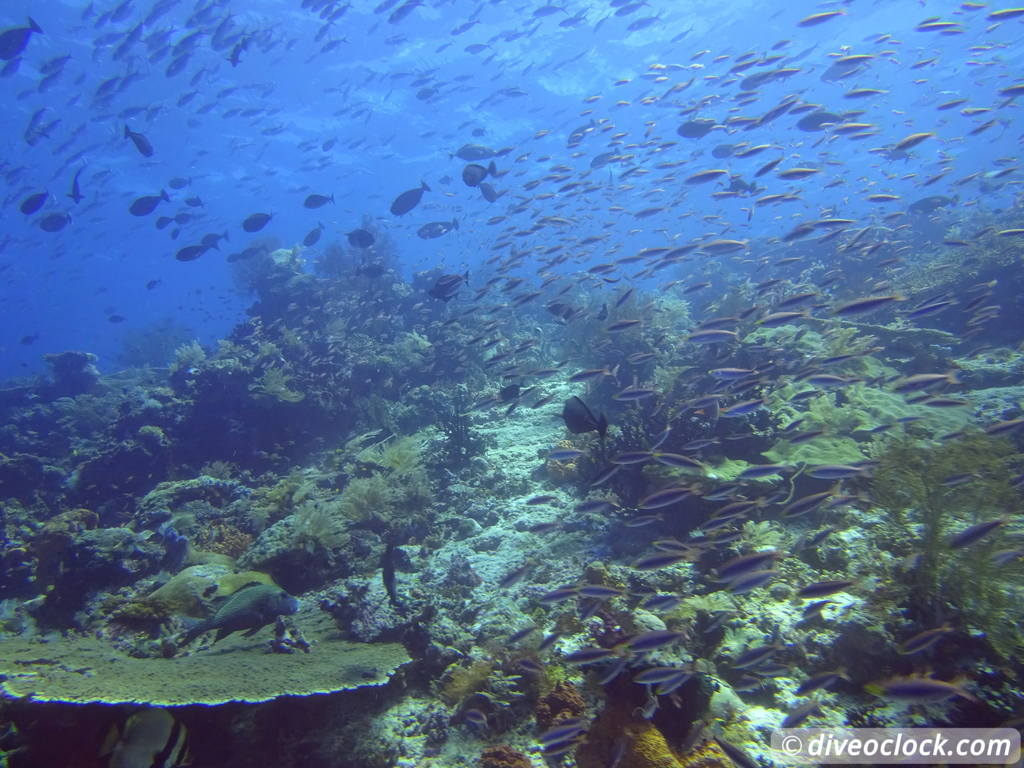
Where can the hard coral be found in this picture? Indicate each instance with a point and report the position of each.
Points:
(52, 546)
(567, 471)
(503, 756)
(646, 746)
(561, 703)
(225, 539)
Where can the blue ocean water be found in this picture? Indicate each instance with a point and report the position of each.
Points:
(645, 370)
(362, 101)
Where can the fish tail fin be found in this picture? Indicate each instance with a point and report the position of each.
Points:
(424, 187)
(332, 198)
(492, 168)
(127, 133)
(455, 225)
(163, 196)
(194, 630)
(465, 276)
(226, 235)
(35, 27)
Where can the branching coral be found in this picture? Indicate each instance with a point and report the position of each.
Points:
(913, 484)
(274, 383)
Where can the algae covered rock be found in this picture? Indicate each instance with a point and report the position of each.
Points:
(71, 373)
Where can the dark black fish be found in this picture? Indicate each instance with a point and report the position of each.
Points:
(408, 200)
(437, 229)
(579, 418)
(211, 240)
(54, 222)
(115, 318)
(473, 152)
(447, 286)
(317, 201)
(33, 203)
(190, 252)
(141, 142)
(251, 608)
(163, 221)
(178, 182)
(313, 236)
(76, 191)
(150, 285)
(236, 53)
(248, 253)
(930, 204)
(360, 238)
(696, 128)
(488, 193)
(143, 206)
(256, 222)
(474, 173)
(30, 339)
(403, 10)
(14, 40)
(387, 572)
(723, 151)
(193, 202)
(509, 393)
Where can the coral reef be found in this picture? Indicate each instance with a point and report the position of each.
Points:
(783, 505)
(562, 702)
(503, 756)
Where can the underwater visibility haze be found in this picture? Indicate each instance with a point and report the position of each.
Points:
(451, 383)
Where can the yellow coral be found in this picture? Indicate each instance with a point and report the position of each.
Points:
(566, 471)
(646, 746)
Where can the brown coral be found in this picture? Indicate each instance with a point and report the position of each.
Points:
(503, 756)
(53, 542)
(561, 703)
(224, 539)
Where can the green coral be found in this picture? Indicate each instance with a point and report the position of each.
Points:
(909, 484)
(274, 383)
(190, 355)
(318, 524)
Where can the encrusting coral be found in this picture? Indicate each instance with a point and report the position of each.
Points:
(503, 756)
(562, 702)
(642, 745)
